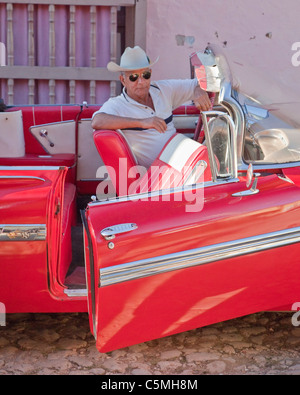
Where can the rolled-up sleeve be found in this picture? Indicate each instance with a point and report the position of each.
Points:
(109, 107)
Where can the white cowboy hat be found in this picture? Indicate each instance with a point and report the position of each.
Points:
(132, 59)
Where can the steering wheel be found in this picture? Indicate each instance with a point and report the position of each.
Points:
(199, 131)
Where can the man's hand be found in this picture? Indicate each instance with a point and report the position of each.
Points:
(201, 99)
(154, 123)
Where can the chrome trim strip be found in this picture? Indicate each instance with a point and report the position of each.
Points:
(198, 256)
(30, 168)
(22, 232)
(76, 293)
(21, 178)
(52, 123)
(271, 166)
(163, 192)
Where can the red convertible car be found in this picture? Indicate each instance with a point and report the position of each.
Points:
(210, 233)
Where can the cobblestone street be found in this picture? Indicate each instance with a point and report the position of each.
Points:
(61, 344)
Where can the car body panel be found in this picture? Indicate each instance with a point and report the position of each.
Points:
(31, 200)
(138, 297)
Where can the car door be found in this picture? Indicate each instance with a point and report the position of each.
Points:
(31, 216)
(170, 261)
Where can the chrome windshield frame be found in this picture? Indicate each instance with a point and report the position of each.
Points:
(233, 144)
(235, 111)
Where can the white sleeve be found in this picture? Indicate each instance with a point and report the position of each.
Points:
(109, 107)
(178, 91)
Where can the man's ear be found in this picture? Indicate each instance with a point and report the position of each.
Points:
(121, 77)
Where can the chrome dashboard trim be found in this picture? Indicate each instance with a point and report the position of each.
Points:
(22, 232)
(196, 257)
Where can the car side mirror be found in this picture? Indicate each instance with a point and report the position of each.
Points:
(251, 180)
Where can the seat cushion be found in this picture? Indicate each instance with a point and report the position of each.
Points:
(182, 161)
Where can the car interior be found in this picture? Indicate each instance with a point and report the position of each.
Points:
(62, 136)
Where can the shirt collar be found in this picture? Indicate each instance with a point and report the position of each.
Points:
(154, 92)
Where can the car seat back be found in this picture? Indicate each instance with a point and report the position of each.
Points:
(117, 157)
(182, 161)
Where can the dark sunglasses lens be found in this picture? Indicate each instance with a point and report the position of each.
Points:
(133, 77)
(146, 75)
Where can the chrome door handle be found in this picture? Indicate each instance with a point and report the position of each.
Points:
(44, 133)
(110, 232)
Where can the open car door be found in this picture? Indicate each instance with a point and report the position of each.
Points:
(33, 240)
(169, 261)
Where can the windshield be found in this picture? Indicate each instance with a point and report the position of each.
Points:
(268, 139)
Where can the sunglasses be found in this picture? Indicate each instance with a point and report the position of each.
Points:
(134, 77)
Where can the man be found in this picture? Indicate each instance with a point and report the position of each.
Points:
(143, 111)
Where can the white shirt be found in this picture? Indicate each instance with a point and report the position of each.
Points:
(167, 95)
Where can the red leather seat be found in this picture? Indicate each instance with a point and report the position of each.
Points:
(116, 155)
(182, 161)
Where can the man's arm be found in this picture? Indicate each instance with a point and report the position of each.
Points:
(113, 122)
(201, 99)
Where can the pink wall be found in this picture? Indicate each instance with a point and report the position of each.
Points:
(175, 29)
(259, 39)
(41, 28)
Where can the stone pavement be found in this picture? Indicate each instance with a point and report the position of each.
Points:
(61, 344)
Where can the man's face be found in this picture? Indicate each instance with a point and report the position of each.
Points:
(137, 83)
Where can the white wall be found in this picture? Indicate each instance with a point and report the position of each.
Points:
(176, 28)
(259, 38)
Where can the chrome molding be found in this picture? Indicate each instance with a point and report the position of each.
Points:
(267, 166)
(152, 195)
(30, 168)
(21, 232)
(76, 293)
(195, 257)
(21, 178)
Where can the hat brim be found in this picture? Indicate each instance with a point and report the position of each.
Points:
(112, 66)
